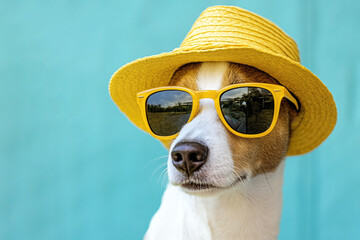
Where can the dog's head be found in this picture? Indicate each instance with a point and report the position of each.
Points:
(206, 157)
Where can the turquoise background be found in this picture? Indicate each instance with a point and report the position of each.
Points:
(73, 167)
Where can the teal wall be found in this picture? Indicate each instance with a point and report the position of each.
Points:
(73, 167)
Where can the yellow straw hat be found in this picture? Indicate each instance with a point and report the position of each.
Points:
(224, 33)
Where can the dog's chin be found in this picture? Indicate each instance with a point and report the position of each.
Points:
(206, 189)
(198, 189)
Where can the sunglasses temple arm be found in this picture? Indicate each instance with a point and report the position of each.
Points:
(291, 98)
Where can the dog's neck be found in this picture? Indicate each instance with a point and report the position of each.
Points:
(247, 211)
(252, 212)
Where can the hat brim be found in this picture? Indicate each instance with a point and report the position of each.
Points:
(317, 116)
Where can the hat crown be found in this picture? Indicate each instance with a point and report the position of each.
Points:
(228, 26)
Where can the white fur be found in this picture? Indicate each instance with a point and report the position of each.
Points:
(248, 210)
(208, 129)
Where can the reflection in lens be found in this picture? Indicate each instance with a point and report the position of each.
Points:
(248, 110)
(168, 111)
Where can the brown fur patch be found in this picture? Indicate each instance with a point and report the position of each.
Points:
(186, 76)
(239, 73)
(263, 154)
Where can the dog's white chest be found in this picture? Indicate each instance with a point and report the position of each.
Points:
(180, 217)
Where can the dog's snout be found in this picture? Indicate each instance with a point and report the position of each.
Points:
(188, 157)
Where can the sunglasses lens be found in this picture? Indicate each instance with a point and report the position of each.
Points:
(248, 110)
(168, 111)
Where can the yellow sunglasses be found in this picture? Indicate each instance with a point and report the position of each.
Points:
(248, 110)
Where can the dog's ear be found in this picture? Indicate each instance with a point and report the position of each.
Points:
(293, 114)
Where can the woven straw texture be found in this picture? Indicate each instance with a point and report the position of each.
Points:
(224, 33)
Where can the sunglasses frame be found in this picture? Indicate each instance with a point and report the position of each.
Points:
(278, 92)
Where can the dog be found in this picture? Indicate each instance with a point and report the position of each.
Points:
(222, 186)
(225, 182)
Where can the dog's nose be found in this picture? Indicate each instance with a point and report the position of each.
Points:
(188, 157)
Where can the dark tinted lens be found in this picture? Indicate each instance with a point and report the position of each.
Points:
(248, 110)
(167, 111)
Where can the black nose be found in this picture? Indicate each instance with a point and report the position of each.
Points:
(188, 157)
